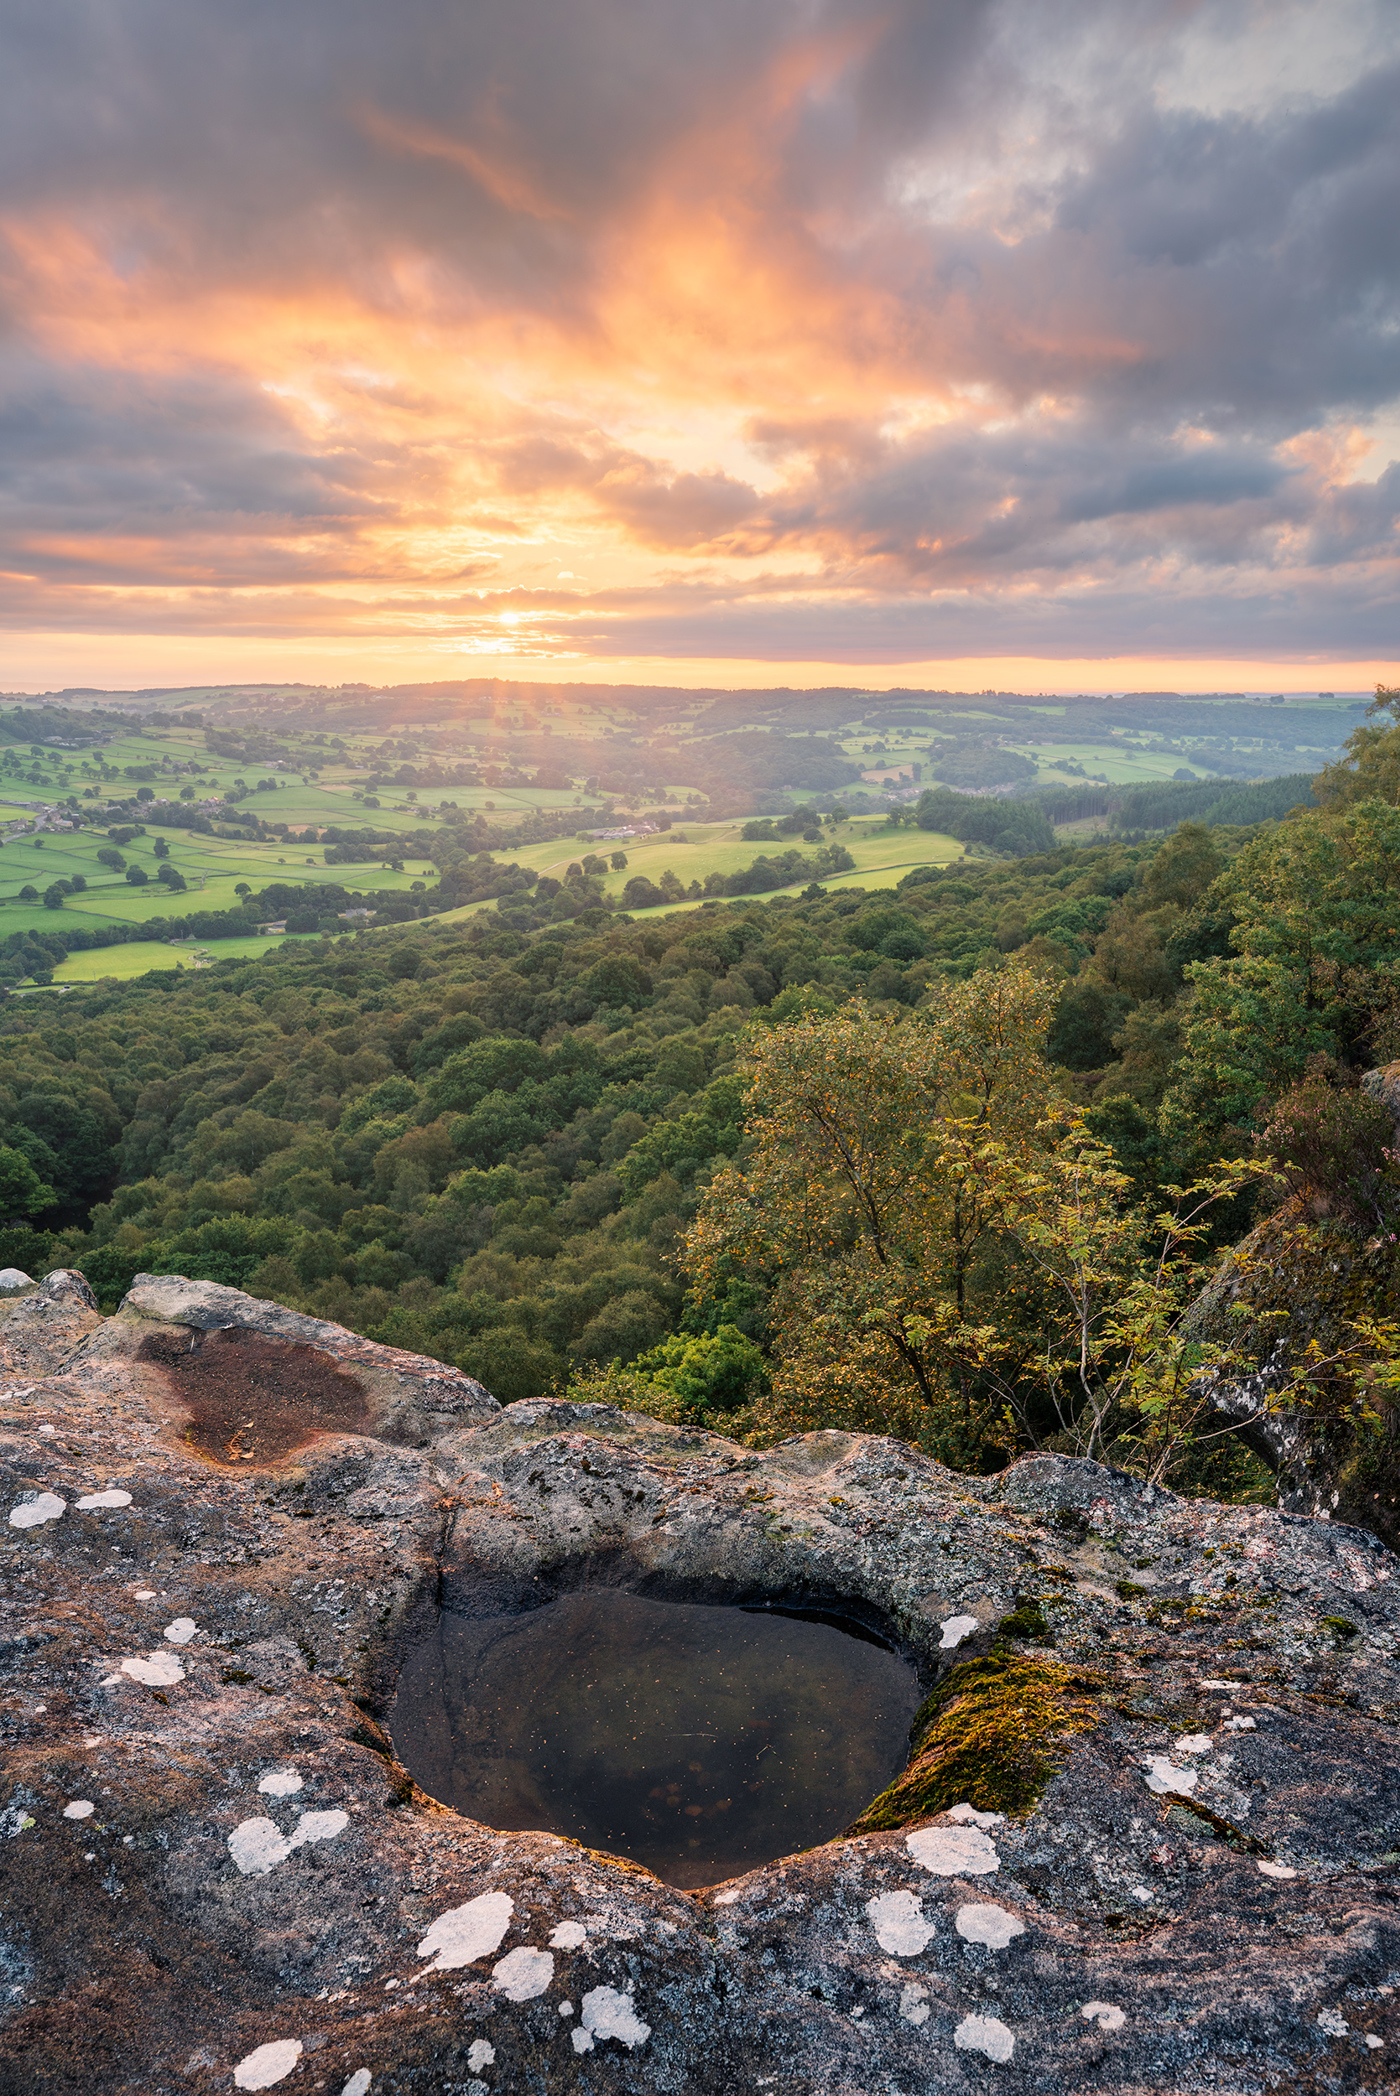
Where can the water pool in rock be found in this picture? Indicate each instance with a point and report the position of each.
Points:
(698, 1740)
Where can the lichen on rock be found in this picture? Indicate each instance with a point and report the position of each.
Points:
(261, 1894)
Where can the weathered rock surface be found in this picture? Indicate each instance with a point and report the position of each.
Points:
(41, 1324)
(216, 1875)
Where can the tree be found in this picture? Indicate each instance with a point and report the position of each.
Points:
(137, 876)
(880, 1151)
(1371, 768)
(22, 1191)
(949, 1260)
(1315, 910)
(55, 895)
(110, 856)
(619, 862)
(161, 848)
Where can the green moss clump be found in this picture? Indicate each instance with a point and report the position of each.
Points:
(1341, 1625)
(991, 1734)
(1026, 1625)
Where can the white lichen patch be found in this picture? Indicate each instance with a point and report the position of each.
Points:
(358, 2084)
(180, 1631)
(258, 1846)
(33, 1513)
(985, 2034)
(144, 1594)
(464, 1934)
(1240, 1725)
(900, 1924)
(318, 1826)
(993, 1926)
(1275, 1870)
(81, 1808)
(1163, 1778)
(953, 1852)
(93, 1500)
(608, 2013)
(913, 2005)
(1333, 2022)
(523, 1973)
(1107, 2015)
(480, 2053)
(969, 1816)
(269, 2064)
(156, 1670)
(955, 1629)
(568, 1935)
(1193, 1743)
(280, 1783)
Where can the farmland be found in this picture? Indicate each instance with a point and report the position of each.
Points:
(212, 795)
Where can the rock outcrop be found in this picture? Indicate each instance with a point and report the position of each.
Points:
(223, 1521)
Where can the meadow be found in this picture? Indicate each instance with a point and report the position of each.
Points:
(308, 761)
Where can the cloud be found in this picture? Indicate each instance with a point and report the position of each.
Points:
(831, 328)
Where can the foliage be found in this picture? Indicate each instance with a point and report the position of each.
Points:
(1370, 769)
(1315, 965)
(22, 1191)
(490, 1141)
(865, 1199)
(1018, 827)
(938, 1249)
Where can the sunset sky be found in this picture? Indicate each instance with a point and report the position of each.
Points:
(1046, 343)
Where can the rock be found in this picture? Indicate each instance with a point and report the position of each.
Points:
(12, 1279)
(1198, 1889)
(38, 1331)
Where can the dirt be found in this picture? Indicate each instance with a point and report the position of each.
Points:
(253, 1399)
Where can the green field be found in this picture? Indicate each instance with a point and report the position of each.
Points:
(121, 963)
(883, 854)
(321, 756)
(213, 868)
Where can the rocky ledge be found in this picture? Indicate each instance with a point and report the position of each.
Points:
(1148, 1841)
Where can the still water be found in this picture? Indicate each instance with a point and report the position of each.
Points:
(700, 1741)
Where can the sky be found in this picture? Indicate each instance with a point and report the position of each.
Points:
(1040, 344)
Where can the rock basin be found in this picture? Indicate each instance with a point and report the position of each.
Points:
(216, 1874)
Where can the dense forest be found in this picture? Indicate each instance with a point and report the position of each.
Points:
(850, 1157)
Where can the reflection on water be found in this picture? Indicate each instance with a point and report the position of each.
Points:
(699, 1741)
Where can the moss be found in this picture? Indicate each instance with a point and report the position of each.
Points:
(1340, 1625)
(1026, 1625)
(992, 1734)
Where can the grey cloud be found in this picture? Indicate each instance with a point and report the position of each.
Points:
(1160, 272)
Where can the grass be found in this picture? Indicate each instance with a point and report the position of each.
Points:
(1123, 767)
(693, 849)
(121, 963)
(213, 867)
